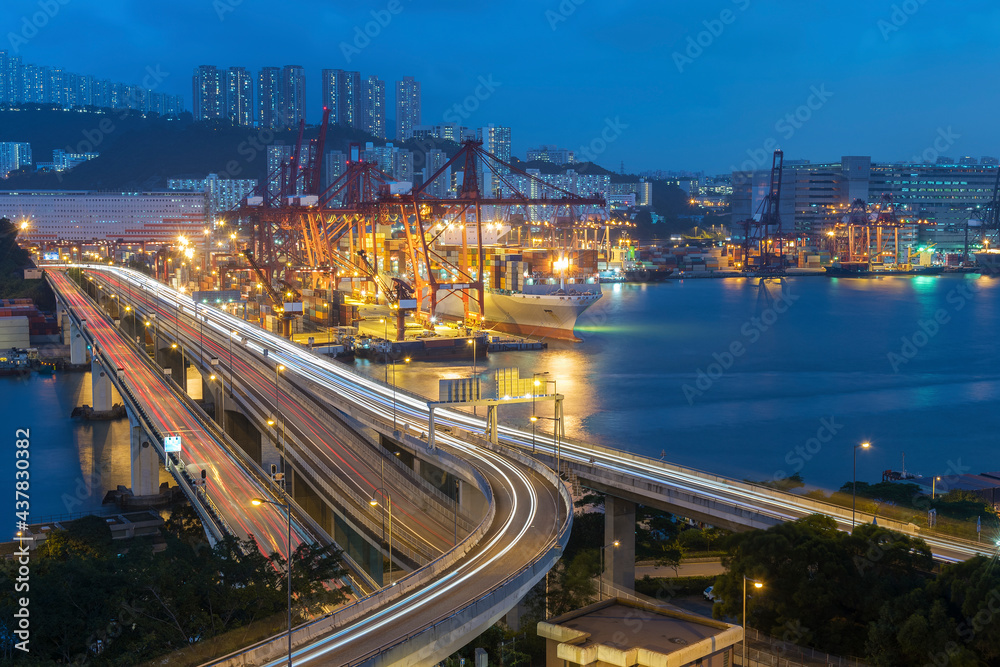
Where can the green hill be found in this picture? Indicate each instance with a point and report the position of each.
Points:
(13, 261)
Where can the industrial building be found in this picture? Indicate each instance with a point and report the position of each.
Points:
(136, 217)
(937, 200)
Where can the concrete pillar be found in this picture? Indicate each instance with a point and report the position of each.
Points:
(145, 461)
(471, 501)
(619, 525)
(100, 386)
(66, 325)
(77, 346)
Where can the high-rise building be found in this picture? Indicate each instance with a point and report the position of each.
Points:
(441, 187)
(279, 156)
(293, 94)
(407, 107)
(209, 87)
(334, 166)
(13, 156)
(496, 140)
(239, 96)
(340, 91)
(372, 106)
(221, 194)
(269, 98)
(552, 154)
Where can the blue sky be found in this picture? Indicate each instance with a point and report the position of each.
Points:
(881, 78)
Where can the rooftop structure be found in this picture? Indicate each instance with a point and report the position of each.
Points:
(627, 633)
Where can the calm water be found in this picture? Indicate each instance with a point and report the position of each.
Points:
(67, 456)
(826, 357)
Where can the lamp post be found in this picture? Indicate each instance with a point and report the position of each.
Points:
(934, 481)
(388, 501)
(600, 581)
(854, 485)
(405, 360)
(756, 584)
(288, 511)
(472, 342)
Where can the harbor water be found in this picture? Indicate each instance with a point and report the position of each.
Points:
(713, 375)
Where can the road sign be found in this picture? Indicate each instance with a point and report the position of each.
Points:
(172, 443)
(510, 384)
(463, 389)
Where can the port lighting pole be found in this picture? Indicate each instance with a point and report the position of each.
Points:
(388, 502)
(288, 511)
(405, 360)
(756, 584)
(934, 481)
(600, 581)
(854, 485)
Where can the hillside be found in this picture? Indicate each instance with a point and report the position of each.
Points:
(140, 153)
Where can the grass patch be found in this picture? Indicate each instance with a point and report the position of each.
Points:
(216, 647)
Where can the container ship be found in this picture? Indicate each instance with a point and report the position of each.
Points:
(537, 292)
(539, 311)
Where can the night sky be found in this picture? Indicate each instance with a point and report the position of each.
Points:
(885, 78)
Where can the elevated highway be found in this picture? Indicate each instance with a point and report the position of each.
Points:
(429, 613)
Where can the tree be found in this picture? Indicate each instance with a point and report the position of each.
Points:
(832, 584)
(671, 556)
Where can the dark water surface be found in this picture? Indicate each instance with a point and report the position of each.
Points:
(909, 363)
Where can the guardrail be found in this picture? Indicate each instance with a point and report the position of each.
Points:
(345, 499)
(209, 516)
(275, 646)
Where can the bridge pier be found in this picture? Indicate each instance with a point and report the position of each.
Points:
(619, 525)
(100, 386)
(77, 346)
(145, 460)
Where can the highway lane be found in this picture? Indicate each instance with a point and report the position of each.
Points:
(378, 399)
(230, 487)
(412, 526)
(530, 512)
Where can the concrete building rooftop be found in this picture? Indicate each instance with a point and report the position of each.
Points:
(626, 633)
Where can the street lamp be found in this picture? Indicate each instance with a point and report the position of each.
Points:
(405, 360)
(288, 511)
(756, 584)
(388, 501)
(600, 581)
(854, 485)
(277, 369)
(934, 482)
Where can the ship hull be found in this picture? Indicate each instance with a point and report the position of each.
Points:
(535, 315)
(989, 263)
